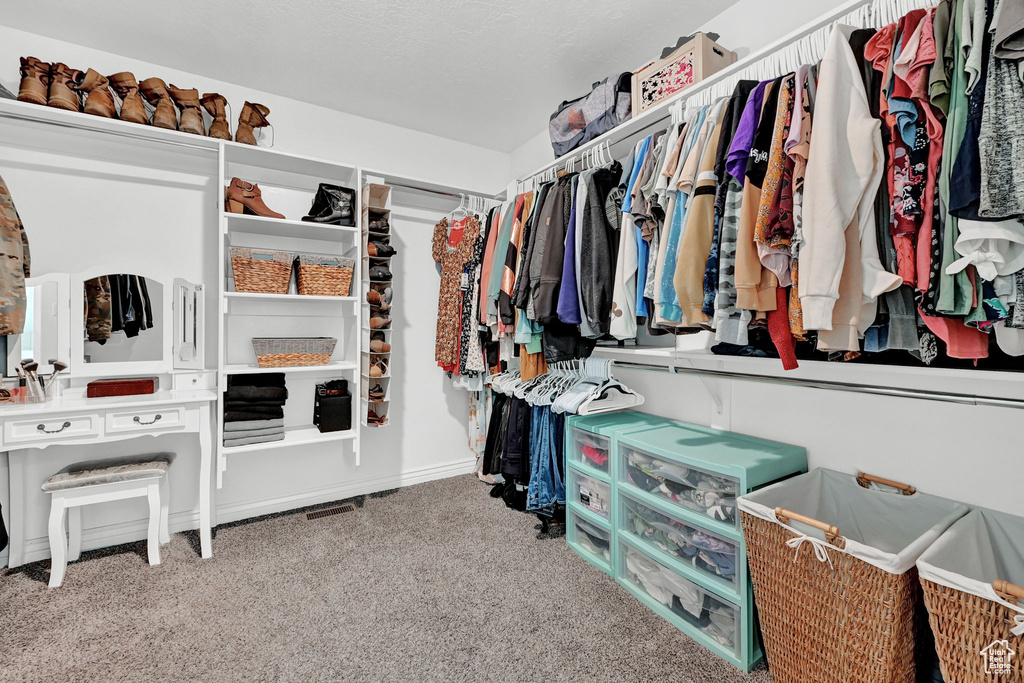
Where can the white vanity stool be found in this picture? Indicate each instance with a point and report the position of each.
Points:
(101, 481)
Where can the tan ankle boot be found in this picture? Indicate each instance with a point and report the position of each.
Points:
(252, 116)
(191, 114)
(241, 197)
(217, 106)
(35, 80)
(127, 88)
(155, 91)
(63, 80)
(98, 99)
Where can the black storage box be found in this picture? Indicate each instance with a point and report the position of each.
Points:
(332, 408)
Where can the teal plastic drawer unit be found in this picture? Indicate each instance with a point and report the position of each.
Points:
(674, 515)
(652, 502)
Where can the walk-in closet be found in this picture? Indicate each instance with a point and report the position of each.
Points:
(649, 341)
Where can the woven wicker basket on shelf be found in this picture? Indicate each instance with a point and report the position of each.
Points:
(285, 352)
(261, 271)
(324, 275)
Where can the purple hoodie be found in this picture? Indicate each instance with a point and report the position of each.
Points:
(739, 151)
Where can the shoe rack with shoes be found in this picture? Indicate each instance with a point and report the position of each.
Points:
(151, 102)
(377, 301)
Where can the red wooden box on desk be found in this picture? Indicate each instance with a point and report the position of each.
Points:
(124, 386)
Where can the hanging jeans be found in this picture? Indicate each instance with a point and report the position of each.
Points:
(547, 483)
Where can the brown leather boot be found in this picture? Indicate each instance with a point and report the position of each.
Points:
(217, 106)
(63, 80)
(99, 101)
(127, 88)
(155, 91)
(242, 197)
(252, 116)
(191, 114)
(35, 81)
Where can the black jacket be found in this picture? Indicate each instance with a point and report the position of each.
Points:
(598, 250)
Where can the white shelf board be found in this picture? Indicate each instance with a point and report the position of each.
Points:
(293, 436)
(261, 157)
(253, 296)
(282, 227)
(241, 369)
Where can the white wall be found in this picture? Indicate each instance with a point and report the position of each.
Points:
(151, 210)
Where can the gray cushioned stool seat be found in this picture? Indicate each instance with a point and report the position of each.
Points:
(109, 471)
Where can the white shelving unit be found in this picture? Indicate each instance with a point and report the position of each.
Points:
(288, 183)
(376, 206)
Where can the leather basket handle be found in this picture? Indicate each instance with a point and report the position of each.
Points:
(785, 516)
(864, 479)
(1009, 590)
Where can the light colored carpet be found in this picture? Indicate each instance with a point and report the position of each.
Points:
(435, 582)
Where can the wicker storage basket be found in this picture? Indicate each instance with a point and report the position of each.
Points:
(261, 271)
(285, 352)
(837, 609)
(324, 275)
(977, 616)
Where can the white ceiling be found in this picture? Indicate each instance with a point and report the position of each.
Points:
(483, 72)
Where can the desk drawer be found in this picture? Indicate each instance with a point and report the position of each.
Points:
(34, 430)
(145, 420)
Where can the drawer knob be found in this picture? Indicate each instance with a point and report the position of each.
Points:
(139, 419)
(44, 430)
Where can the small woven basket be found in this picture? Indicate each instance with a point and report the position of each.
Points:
(261, 271)
(324, 275)
(849, 623)
(286, 352)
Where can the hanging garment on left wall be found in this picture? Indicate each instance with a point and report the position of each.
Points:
(14, 268)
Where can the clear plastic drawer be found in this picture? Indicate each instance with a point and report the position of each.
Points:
(591, 493)
(590, 449)
(590, 538)
(702, 492)
(706, 552)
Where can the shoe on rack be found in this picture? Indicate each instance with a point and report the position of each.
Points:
(378, 367)
(382, 307)
(380, 274)
(380, 225)
(252, 116)
(35, 81)
(127, 88)
(379, 296)
(380, 249)
(379, 322)
(99, 101)
(63, 95)
(217, 106)
(155, 92)
(376, 393)
(191, 113)
(243, 197)
(374, 419)
(379, 346)
(333, 205)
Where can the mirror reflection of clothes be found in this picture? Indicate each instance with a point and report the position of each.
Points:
(117, 303)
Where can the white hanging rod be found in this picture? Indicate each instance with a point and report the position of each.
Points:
(778, 57)
(851, 387)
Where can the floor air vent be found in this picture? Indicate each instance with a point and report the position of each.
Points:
(330, 512)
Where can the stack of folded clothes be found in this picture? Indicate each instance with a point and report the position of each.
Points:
(254, 409)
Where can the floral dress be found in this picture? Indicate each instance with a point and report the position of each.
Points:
(453, 259)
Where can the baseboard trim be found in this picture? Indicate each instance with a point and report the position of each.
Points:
(37, 549)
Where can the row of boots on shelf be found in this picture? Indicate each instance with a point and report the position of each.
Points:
(58, 85)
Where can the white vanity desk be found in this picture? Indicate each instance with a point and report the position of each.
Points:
(76, 420)
(168, 345)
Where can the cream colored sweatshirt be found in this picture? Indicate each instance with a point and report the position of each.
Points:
(844, 169)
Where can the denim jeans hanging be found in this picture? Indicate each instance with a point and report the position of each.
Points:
(547, 483)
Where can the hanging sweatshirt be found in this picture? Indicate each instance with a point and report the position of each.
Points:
(840, 273)
(688, 280)
(568, 307)
(598, 244)
(545, 298)
(623, 321)
(521, 294)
